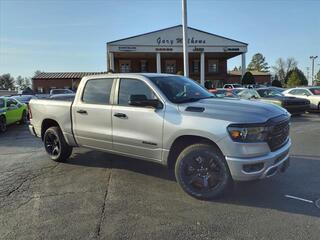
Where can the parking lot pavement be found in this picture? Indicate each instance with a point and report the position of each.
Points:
(98, 195)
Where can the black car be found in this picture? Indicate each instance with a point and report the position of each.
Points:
(292, 104)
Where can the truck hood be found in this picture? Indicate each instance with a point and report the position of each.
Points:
(234, 110)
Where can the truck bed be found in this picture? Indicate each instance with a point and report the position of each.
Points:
(56, 110)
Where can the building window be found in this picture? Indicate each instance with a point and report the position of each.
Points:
(212, 66)
(143, 66)
(171, 66)
(125, 66)
(196, 66)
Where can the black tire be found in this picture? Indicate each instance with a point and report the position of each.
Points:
(55, 145)
(202, 172)
(24, 118)
(3, 124)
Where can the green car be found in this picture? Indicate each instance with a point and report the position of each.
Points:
(11, 111)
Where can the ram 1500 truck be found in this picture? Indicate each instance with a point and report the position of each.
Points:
(172, 120)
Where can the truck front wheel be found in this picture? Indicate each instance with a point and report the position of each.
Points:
(55, 145)
(202, 172)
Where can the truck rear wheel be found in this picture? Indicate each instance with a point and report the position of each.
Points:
(55, 145)
(202, 172)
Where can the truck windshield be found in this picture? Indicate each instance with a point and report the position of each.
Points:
(1, 103)
(179, 89)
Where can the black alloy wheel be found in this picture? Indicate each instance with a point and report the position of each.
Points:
(202, 171)
(55, 145)
(52, 144)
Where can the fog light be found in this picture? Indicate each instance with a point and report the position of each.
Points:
(253, 167)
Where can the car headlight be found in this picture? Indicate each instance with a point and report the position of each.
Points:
(247, 133)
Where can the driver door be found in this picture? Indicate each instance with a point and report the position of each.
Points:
(137, 131)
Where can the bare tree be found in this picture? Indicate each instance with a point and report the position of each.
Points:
(282, 67)
(6, 81)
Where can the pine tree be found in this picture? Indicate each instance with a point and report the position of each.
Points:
(293, 80)
(258, 63)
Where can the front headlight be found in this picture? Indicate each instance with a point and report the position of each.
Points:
(246, 133)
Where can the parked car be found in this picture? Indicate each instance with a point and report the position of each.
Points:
(232, 86)
(60, 91)
(170, 120)
(277, 89)
(11, 111)
(24, 98)
(310, 93)
(63, 97)
(220, 92)
(292, 104)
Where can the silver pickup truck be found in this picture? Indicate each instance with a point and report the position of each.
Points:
(168, 119)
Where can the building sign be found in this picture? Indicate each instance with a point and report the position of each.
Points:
(231, 49)
(163, 49)
(127, 49)
(197, 49)
(192, 40)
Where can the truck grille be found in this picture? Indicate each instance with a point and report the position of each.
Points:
(279, 134)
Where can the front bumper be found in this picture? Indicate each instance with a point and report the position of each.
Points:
(272, 163)
(32, 131)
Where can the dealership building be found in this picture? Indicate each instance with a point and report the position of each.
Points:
(162, 52)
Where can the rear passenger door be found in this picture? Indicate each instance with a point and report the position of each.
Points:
(137, 131)
(92, 115)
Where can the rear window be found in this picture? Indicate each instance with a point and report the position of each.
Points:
(315, 91)
(97, 91)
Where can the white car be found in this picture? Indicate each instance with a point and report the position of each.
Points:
(310, 93)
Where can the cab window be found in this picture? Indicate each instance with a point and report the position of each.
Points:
(97, 91)
(130, 87)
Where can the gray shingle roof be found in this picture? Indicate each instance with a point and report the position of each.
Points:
(64, 75)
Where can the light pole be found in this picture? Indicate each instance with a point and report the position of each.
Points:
(312, 68)
(185, 38)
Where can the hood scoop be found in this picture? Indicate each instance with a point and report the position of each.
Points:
(195, 109)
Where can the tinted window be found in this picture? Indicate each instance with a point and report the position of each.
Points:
(1, 103)
(11, 102)
(294, 92)
(302, 92)
(315, 91)
(130, 87)
(97, 91)
(269, 93)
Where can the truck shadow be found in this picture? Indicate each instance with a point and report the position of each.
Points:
(301, 180)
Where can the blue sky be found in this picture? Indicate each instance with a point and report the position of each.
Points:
(70, 35)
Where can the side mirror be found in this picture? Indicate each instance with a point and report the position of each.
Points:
(12, 105)
(142, 101)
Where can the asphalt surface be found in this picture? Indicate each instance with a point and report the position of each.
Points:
(100, 196)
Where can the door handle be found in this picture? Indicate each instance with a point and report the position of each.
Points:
(120, 115)
(82, 111)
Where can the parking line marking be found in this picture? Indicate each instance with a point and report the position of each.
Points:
(297, 198)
